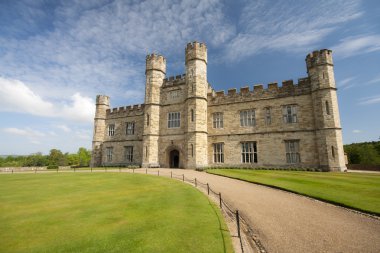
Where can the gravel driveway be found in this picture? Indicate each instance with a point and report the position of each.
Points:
(287, 222)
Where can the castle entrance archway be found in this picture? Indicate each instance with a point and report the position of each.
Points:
(174, 159)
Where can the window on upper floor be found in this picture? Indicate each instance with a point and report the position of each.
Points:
(174, 119)
(247, 118)
(289, 113)
(147, 119)
(109, 153)
(249, 152)
(192, 115)
(130, 130)
(128, 154)
(268, 115)
(218, 152)
(327, 107)
(111, 130)
(292, 151)
(217, 120)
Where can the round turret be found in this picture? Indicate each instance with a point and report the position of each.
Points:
(196, 51)
(102, 100)
(317, 58)
(156, 62)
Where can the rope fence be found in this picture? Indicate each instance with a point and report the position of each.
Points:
(233, 216)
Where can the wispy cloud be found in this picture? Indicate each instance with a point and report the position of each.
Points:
(346, 83)
(374, 80)
(370, 100)
(357, 131)
(64, 128)
(28, 132)
(288, 26)
(15, 96)
(97, 47)
(355, 45)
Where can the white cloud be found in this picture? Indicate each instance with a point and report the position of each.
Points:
(374, 80)
(64, 128)
(15, 96)
(355, 45)
(346, 83)
(370, 100)
(356, 131)
(282, 25)
(28, 132)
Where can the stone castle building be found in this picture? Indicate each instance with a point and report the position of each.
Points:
(184, 123)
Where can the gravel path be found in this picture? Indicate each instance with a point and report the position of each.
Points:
(286, 222)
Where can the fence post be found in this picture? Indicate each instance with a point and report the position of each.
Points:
(208, 189)
(195, 182)
(133, 170)
(220, 200)
(183, 177)
(146, 171)
(171, 174)
(238, 222)
(158, 173)
(12, 171)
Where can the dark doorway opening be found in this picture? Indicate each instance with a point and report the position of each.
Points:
(174, 159)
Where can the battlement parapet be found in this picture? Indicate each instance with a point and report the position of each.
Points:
(196, 51)
(321, 57)
(288, 88)
(156, 62)
(123, 111)
(174, 80)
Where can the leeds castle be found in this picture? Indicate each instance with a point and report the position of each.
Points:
(184, 123)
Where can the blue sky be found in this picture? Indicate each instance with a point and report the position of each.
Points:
(56, 56)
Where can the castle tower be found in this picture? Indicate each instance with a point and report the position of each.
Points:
(196, 104)
(155, 74)
(102, 104)
(328, 137)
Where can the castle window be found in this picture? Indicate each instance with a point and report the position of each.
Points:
(217, 120)
(268, 117)
(130, 128)
(192, 150)
(292, 151)
(147, 119)
(249, 152)
(128, 153)
(174, 119)
(247, 118)
(289, 113)
(333, 152)
(327, 107)
(111, 130)
(109, 152)
(218, 153)
(192, 115)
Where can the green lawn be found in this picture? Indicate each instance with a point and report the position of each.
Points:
(360, 191)
(106, 212)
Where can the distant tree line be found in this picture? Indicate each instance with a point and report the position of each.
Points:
(367, 153)
(54, 158)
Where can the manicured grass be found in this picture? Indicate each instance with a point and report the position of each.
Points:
(360, 191)
(106, 212)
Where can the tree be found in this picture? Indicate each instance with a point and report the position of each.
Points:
(84, 156)
(56, 158)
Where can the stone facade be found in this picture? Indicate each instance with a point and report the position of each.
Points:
(185, 123)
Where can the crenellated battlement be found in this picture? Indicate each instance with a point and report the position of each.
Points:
(130, 110)
(156, 62)
(321, 57)
(196, 51)
(273, 90)
(174, 80)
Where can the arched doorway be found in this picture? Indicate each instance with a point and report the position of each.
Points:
(174, 159)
